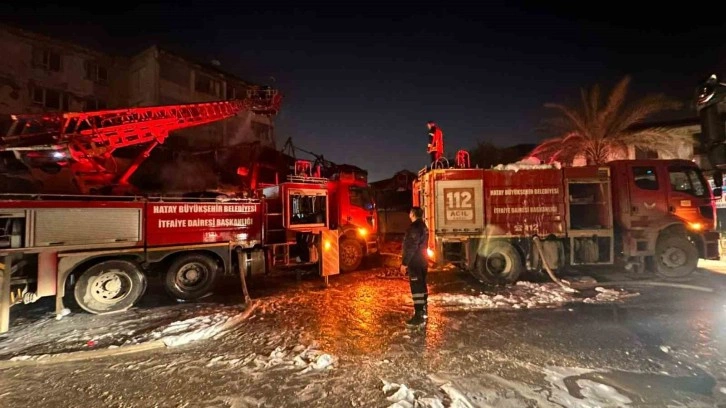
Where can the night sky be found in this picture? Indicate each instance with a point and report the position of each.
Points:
(361, 80)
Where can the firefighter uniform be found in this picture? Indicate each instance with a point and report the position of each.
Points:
(436, 142)
(414, 259)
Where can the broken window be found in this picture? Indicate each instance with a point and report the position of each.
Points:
(206, 84)
(237, 92)
(174, 72)
(262, 131)
(644, 154)
(50, 98)
(46, 59)
(93, 104)
(95, 72)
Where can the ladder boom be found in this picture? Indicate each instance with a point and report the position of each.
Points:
(85, 141)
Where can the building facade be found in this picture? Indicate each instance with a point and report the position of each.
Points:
(159, 77)
(40, 74)
(687, 151)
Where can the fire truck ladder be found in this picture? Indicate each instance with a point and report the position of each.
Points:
(84, 142)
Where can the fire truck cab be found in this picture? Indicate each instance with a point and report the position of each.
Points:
(353, 214)
(296, 228)
(498, 223)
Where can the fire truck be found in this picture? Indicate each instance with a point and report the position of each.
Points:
(353, 214)
(353, 210)
(102, 243)
(498, 223)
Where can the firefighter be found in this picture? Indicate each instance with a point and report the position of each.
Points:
(414, 263)
(436, 141)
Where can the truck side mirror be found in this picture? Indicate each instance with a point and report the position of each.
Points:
(718, 178)
(717, 192)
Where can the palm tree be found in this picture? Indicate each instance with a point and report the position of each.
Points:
(603, 133)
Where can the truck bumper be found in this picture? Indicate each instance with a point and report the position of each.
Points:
(711, 245)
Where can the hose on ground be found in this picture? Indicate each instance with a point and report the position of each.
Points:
(648, 283)
(538, 246)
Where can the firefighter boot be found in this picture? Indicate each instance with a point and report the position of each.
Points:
(418, 317)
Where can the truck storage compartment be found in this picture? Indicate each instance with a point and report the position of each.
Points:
(590, 220)
(589, 205)
(82, 226)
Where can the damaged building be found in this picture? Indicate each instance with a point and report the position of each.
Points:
(39, 74)
(160, 77)
(43, 74)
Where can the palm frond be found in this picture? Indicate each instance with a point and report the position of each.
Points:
(641, 110)
(602, 133)
(575, 118)
(562, 148)
(616, 100)
(658, 139)
(590, 102)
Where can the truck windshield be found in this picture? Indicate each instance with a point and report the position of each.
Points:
(688, 180)
(361, 197)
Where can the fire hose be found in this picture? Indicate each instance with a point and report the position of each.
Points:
(538, 246)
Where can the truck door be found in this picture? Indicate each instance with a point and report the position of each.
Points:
(648, 194)
(689, 197)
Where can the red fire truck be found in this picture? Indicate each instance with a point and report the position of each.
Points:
(498, 223)
(353, 214)
(352, 208)
(103, 246)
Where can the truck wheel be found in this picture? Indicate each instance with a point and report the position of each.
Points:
(499, 264)
(351, 254)
(110, 286)
(675, 257)
(191, 276)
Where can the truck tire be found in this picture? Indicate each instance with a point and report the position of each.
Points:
(191, 276)
(351, 254)
(110, 286)
(499, 264)
(675, 257)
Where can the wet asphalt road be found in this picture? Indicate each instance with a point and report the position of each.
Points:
(664, 347)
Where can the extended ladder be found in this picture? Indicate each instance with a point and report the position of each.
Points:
(85, 141)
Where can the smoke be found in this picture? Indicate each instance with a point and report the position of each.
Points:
(188, 173)
(240, 129)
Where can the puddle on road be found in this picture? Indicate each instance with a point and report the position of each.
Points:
(644, 387)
